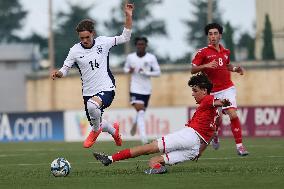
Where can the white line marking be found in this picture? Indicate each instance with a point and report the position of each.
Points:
(133, 161)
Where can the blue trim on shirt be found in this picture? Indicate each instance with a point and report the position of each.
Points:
(94, 42)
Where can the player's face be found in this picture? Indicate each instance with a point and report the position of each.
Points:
(141, 46)
(198, 93)
(86, 38)
(214, 37)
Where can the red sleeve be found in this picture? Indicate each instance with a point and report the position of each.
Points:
(198, 58)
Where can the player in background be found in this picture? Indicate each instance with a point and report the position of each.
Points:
(214, 60)
(185, 144)
(142, 66)
(90, 56)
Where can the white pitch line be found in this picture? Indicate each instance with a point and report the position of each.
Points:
(133, 161)
(15, 155)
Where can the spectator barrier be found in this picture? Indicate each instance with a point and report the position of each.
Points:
(44, 126)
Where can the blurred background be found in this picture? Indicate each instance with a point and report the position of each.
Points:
(36, 36)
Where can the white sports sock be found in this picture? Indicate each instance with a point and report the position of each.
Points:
(141, 126)
(110, 157)
(239, 145)
(136, 118)
(107, 127)
(94, 113)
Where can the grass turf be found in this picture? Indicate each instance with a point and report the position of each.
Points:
(27, 165)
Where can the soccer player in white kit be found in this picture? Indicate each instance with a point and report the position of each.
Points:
(185, 144)
(90, 56)
(142, 66)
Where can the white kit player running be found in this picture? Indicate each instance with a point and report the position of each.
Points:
(142, 66)
(185, 144)
(90, 56)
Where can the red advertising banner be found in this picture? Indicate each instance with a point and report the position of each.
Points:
(256, 121)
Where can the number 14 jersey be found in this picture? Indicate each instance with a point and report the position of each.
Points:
(93, 65)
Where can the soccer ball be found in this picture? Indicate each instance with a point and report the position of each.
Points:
(60, 167)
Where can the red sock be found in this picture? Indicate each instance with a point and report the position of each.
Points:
(236, 130)
(121, 155)
(157, 166)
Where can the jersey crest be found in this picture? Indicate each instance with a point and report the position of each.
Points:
(99, 49)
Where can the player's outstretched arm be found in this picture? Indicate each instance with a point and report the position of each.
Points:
(128, 9)
(126, 34)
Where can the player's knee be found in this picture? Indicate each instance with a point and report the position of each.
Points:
(141, 114)
(139, 107)
(233, 115)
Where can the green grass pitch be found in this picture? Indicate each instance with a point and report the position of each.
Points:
(27, 165)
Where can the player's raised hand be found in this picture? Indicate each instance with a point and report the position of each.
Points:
(128, 9)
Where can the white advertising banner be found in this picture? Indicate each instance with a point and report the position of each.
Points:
(158, 122)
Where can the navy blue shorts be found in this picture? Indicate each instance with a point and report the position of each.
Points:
(106, 97)
(139, 99)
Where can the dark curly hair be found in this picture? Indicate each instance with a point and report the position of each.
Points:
(201, 80)
(140, 38)
(86, 25)
(213, 26)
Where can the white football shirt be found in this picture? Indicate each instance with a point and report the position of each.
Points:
(93, 63)
(144, 68)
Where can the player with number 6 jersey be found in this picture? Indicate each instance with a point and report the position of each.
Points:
(91, 57)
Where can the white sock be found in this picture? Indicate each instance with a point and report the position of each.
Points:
(135, 120)
(141, 126)
(95, 114)
(110, 157)
(107, 127)
(239, 145)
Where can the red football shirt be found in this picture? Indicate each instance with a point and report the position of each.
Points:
(203, 120)
(220, 76)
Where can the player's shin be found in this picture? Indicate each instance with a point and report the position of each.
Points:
(121, 155)
(236, 130)
(107, 127)
(95, 114)
(141, 126)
